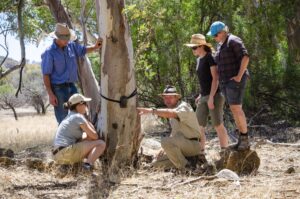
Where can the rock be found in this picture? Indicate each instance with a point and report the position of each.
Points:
(228, 175)
(36, 163)
(290, 170)
(243, 162)
(150, 146)
(222, 162)
(151, 124)
(6, 161)
(6, 153)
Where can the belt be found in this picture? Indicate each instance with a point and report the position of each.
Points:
(195, 139)
(56, 150)
(66, 84)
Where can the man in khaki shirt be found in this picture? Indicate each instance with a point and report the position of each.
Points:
(184, 139)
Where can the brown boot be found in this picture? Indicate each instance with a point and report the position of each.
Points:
(244, 143)
(202, 159)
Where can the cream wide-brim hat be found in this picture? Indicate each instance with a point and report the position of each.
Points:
(63, 32)
(77, 98)
(198, 40)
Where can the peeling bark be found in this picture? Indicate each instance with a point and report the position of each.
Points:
(120, 126)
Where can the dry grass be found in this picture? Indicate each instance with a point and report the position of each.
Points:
(17, 181)
(28, 131)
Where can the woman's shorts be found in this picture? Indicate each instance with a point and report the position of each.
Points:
(215, 114)
(70, 154)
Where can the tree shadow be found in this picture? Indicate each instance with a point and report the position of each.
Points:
(100, 187)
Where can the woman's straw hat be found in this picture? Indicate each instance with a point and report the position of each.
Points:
(198, 40)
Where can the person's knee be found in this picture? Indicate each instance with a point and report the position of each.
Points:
(166, 142)
(202, 129)
(236, 109)
(219, 126)
(101, 144)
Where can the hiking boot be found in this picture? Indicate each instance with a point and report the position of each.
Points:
(202, 159)
(244, 143)
(192, 162)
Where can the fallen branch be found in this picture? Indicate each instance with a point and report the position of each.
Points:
(195, 180)
(224, 173)
(297, 145)
(256, 114)
(146, 187)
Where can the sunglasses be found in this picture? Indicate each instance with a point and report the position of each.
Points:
(195, 47)
(82, 102)
(216, 34)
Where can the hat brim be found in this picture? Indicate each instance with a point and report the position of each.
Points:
(209, 33)
(191, 45)
(86, 99)
(194, 45)
(73, 36)
(170, 94)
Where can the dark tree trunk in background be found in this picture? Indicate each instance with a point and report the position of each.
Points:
(293, 33)
(58, 12)
(14, 111)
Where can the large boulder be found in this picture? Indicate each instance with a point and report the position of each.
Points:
(242, 162)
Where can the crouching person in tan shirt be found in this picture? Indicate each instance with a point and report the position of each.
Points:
(184, 139)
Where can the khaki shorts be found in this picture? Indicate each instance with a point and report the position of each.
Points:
(216, 114)
(70, 154)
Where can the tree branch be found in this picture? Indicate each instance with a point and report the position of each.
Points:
(22, 44)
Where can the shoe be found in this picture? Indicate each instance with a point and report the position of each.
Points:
(87, 166)
(244, 143)
(202, 159)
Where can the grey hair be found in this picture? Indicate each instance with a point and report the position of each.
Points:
(226, 29)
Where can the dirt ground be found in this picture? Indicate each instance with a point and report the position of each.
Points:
(277, 177)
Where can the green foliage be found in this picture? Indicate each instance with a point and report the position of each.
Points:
(6, 89)
(159, 29)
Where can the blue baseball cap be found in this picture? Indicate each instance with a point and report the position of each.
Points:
(216, 27)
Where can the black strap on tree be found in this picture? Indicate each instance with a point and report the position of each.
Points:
(123, 99)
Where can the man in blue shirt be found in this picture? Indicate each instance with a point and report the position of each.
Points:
(59, 67)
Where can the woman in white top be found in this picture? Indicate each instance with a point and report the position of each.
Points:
(76, 138)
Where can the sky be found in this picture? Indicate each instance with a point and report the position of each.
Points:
(33, 52)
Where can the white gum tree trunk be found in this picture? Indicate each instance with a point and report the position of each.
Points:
(120, 126)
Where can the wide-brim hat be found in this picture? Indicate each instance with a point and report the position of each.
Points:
(63, 32)
(198, 40)
(170, 90)
(77, 98)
